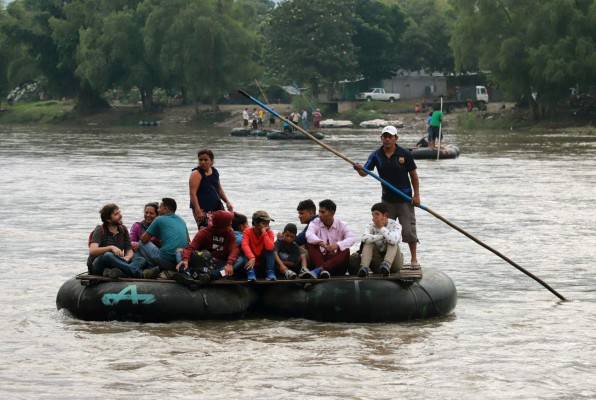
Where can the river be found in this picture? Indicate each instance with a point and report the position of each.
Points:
(530, 195)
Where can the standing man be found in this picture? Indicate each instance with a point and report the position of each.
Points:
(329, 240)
(304, 119)
(435, 125)
(396, 165)
(172, 231)
(110, 249)
(245, 118)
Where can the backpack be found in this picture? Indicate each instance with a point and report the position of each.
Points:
(91, 236)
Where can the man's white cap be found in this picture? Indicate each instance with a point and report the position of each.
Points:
(390, 129)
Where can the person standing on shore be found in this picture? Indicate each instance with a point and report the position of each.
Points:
(317, 117)
(396, 165)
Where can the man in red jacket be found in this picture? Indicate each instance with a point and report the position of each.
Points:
(219, 240)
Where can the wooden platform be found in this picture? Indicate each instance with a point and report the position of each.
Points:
(405, 275)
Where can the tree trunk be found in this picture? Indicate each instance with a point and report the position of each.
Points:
(214, 105)
(315, 89)
(532, 105)
(89, 101)
(146, 98)
(330, 91)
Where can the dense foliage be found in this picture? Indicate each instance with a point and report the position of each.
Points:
(532, 48)
(200, 50)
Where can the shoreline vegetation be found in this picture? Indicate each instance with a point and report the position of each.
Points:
(501, 116)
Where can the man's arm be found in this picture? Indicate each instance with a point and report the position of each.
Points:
(146, 237)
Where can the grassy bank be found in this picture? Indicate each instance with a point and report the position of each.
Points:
(51, 111)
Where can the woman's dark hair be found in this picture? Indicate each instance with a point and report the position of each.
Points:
(208, 152)
(106, 212)
(152, 204)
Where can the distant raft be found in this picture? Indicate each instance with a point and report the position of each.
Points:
(424, 153)
(242, 132)
(364, 300)
(296, 135)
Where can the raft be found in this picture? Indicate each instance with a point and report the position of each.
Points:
(143, 300)
(424, 153)
(278, 135)
(242, 132)
(364, 300)
(408, 295)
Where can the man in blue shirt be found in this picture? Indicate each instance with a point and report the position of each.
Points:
(307, 211)
(173, 233)
(396, 165)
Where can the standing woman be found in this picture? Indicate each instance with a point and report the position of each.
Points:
(206, 192)
(138, 228)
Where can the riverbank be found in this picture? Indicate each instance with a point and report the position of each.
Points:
(497, 116)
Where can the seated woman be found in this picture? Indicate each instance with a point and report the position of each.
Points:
(138, 228)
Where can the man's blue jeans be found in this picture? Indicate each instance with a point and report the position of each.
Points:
(151, 253)
(134, 269)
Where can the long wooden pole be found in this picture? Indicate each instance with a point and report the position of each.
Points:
(440, 128)
(405, 196)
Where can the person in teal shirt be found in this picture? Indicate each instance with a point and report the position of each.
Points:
(435, 126)
(173, 233)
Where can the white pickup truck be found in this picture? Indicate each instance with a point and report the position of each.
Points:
(377, 94)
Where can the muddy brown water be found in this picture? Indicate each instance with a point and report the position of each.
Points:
(529, 195)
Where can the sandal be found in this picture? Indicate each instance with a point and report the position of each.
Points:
(416, 266)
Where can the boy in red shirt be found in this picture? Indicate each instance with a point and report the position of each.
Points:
(258, 243)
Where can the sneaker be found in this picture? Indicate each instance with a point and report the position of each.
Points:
(290, 274)
(363, 272)
(114, 273)
(151, 273)
(324, 275)
(106, 272)
(250, 275)
(385, 268)
(306, 274)
(183, 279)
(271, 275)
(316, 272)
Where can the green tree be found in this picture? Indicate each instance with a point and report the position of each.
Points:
(544, 47)
(377, 38)
(111, 53)
(425, 43)
(33, 54)
(201, 46)
(311, 42)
